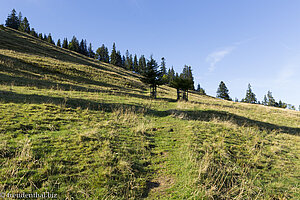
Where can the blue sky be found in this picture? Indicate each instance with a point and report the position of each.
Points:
(238, 42)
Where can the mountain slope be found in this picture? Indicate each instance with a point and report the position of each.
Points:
(80, 128)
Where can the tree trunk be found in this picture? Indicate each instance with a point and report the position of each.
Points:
(184, 95)
(187, 95)
(178, 94)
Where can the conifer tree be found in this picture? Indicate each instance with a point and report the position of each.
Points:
(119, 59)
(12, 20)
(113, 55)
(142, 64)
(171, 75)
(58, 43)
(41, 36)
(33, 33)
(102, 54)
(24, 26)
(223, 92)
(187, 81)
(177, 83)
(83, 47)
(198, 88)
(123, 61)
(65, 44)
(91, 53)
(163, 66)
(151, 76)
(128, 61)
(250, 96)
(265, 101)
(135, 64)
(20, 18)
(74, 44)
(270, 99)
(49, 39)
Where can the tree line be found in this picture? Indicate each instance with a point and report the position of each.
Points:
(250, 97)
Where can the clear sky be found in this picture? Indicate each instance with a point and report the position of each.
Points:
(236, 41)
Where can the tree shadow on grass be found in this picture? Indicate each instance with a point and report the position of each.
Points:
(205, 115)
(209, 115)
(12, 97)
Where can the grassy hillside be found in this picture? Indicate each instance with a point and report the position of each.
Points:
(82, 129)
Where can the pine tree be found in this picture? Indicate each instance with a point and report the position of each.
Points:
(250, 96)
(74, 44)
(265, 101)
(24, 26)
(142, 64)
(20, 18)
(91, 53)
(177, 83)
(58, 43)
(41, 36)
(135, 64)
(171, 75)
(33, 33)
(163, 66)
(187, 81)
(198, 88)
(12, 20)
(113, 55)
(128, 61)
(151, 76)
(65, 44)
(123, 61)
(49, 39)
(223, 92)
(119, 59)
(271, 100)
(102, 54)
(83, 48)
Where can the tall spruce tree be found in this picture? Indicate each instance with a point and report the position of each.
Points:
(135, 64)
(128, 61)
(41, 36)
(151, 76)
(49, 39)
(270, 99)
(65, 44)
(58, 43)
(142, 64)
(119, 59)
(102, 54)
(187, 81)
(91, 53)
(223, 92)
(24, 25)
(74, 44)
(163, 66)
(177, 83)
(250, 96)
(113, 55)
(12, 20)
(33, 33)
(171, 75)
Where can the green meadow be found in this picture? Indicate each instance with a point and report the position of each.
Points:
(84, 129)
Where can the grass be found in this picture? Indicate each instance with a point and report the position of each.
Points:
(87, 130)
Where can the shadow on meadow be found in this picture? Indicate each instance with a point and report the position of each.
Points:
(205, 115)
(209, 115)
